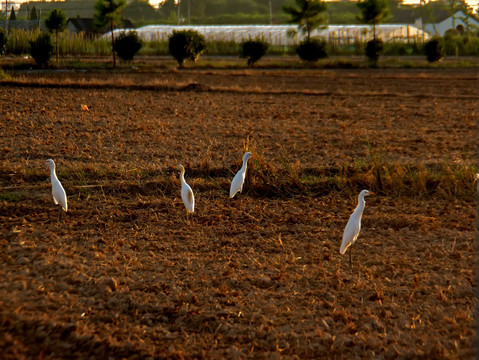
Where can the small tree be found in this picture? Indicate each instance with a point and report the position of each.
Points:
(307, 14)
(33, 14)
(312, 50)
(41, 49)
(374, 48)
(373, 12)
(108, 12)
(13, 16)
(186, 45)
(253, 50)
(434, 50)
(127, 45)
(3, 42)
(56, 22)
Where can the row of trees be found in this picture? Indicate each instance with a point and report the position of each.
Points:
(308, 15)
(141, 12)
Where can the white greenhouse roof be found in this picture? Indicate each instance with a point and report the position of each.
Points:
(286, 34)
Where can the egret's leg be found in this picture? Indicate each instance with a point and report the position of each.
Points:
(350, 256)
(60, 214)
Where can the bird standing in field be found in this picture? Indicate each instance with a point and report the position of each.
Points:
(351, 232)
(186, 192)
(238, 180)
(59, 195)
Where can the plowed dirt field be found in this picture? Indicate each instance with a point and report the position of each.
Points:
(127, 274)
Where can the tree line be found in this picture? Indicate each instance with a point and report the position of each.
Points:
(231, 12)
(308, 15)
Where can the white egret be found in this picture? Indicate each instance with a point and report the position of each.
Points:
(59, 195)
(238, 180)
(186, 192)
(351, 232)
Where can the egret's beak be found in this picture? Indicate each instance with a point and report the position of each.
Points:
(477, 178)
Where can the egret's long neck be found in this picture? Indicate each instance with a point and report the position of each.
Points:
(245, 164)
(182, 175)
(361, 204)
(52, 171)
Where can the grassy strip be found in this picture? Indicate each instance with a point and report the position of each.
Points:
(266, 181)
(191, 87)
(152, 63)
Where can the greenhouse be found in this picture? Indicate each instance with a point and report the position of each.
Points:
(284, 35)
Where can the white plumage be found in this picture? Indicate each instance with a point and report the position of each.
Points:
(238, 180)
(351, 232)
(59, 195)
(186, 193)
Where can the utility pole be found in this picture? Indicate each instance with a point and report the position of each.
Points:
(270, 13)
(178, 13)
(6, 15)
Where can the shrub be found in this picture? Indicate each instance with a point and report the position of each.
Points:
(312, 49)
(434, 50)
(127, 45)
(186, 45)
(374, 48)
(56, 22)
(41, 49)
(253, 50)
(402, 49)
(460, 45)
(3, 42)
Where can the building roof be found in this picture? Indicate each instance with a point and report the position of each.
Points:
(284, 34)
(88, 25)
(450, 23)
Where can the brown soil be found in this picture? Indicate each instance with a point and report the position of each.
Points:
(127, 274)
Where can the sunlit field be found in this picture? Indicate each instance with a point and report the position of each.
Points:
(127, 274)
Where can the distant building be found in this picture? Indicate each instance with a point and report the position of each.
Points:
(458, 21)
(23, 24)
(287, 35)
(88, 28)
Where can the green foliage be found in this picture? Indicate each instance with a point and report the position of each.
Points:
(186, 45)
(223, 47)
(127, 45)
(56, 21)
(312, 50)
(434, 50)
(18, 43)
(373, 12)
(402, 49)
(3, 42)
(307, 14)
(140, 11)
(13, 16)
(373, 50)
(33, 14)
(41, 49)
(253, 50)
(461, 45)
(109, 12)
